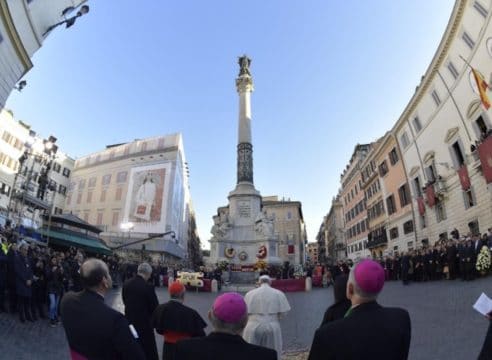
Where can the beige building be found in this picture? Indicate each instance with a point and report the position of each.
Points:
(354, 205)
(312, 252)
(331, 235)
(24, 197)
(289, 228)
(134, 190)
(445, 127)
(24, 25)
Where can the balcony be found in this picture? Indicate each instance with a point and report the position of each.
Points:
(377, 238)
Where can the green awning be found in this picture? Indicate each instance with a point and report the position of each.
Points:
(76, 240)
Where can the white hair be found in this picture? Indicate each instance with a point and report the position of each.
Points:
(144, 269)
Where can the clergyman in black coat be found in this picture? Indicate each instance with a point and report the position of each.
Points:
(341, 305)
(140, 302)
(368, 330)
(94, 330)
(176, 321)
(228, 316)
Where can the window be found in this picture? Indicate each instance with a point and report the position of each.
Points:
(404, 140)
(82, 184)
(103, 196)
(383, 168)
(99, 218)
(79, 198)
(358, 228)
(144, 146)
(431, 173)
(121, 177)
(289, 215)
(393, 155)
(416, 187)
(440, 211)
(66, 172)
(363, 226)
(468, 40)
(89, 197)
(393, 233)
(69, 199)
(482, 127)
(56, 167)
(423, 223)
(404, 193)
(115, 218)
(416, 124)
(435, 97)
(390, 204)
(458, 157)
(469, 198)
(118, 194)
(453, 70)
(92, 182)
(480, 8)
(106, 180)
(408, 227)
(62, 189)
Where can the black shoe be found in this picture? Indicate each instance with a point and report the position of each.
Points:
(52, 323)
(22, 320)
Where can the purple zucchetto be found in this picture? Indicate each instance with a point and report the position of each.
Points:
(369, 276)
(230, 307)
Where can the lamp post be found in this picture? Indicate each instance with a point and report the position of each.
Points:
(70, 21)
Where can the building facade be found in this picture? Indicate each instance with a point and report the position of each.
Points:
(331, 235)
(134, 190)
(432, 172)
(288, 228)
(312, 252)
(23, 28)
(445, 127)
(354, 204)
(32, 181)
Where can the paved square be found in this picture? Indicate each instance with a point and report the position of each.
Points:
(444, 325)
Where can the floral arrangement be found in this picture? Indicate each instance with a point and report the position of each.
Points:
(298, 271)
(223, 265)
(261, 265)
(483, 261)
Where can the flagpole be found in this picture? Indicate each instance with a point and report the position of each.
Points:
(471, 67)
(456, 105)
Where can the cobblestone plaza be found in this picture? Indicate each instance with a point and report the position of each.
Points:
(444, 324)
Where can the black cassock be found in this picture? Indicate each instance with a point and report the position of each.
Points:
(140, 302)
(175, 319)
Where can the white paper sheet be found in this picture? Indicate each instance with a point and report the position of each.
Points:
(483, 304)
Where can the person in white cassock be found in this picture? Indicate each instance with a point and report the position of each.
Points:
(265, 307)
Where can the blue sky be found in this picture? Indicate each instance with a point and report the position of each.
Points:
(328, 75)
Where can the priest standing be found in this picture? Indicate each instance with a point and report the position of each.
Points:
(265, 308)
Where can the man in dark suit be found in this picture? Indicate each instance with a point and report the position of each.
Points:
(140, 302)
(368, 330)
(93, 329)
(23, 282)
(228, 316)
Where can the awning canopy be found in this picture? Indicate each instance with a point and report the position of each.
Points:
(76, 240)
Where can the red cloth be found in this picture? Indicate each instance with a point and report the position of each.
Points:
(288, 285)
(172, 337)
(464, 178)
(420, 202)
(485, 153)
(431, 195)
(290, 249)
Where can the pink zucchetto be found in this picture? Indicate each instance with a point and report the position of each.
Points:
(230, 307)
(369, 276)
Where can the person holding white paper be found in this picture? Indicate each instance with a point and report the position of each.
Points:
(486, 352)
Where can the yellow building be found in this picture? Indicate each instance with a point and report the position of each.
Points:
(134, 190)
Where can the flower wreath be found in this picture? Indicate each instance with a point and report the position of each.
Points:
(229, 253)
(243, 255)
(262, 252)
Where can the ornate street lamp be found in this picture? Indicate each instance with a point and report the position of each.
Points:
(70, 21)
